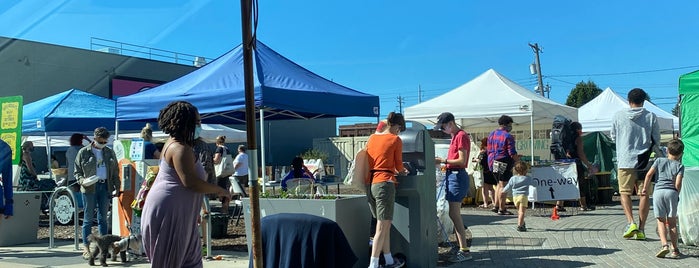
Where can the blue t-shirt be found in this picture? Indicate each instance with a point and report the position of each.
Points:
(519, 185)
(149, 150)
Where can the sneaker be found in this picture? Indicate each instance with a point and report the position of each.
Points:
(631, 229)
(397, 263)
(454, 250)
(640, 235)
(461, 256)
(495, 209)
(522, 228)
(675, 254)
(663, 251)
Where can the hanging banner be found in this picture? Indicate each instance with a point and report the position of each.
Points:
(11, 124)
(555, 182)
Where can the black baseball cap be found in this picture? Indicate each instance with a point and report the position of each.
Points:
(442, 119)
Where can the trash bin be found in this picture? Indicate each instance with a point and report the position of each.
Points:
(219, 225)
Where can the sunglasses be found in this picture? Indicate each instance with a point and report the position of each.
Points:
(102, 142)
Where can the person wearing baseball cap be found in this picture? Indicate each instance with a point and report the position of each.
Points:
(456, 182)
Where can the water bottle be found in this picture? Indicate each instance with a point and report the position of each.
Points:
(468, 236)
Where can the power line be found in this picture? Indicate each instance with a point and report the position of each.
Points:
(627, 73)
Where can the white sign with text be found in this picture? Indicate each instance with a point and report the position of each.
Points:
(555, 182)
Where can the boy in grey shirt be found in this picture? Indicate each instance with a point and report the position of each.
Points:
(666, 195)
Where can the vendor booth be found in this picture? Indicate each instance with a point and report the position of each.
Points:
(480, 102)
(217, 90)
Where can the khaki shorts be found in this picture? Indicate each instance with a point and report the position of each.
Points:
(382, 197)
(521, 200)
(628, 179)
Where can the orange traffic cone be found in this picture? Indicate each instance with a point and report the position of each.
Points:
(554, 215)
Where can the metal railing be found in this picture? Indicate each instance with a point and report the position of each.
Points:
(121, 48)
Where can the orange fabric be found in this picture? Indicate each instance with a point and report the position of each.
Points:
(385, 153)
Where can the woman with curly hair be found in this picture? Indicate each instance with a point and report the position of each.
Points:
(171, 211)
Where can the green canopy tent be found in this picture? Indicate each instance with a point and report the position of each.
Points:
(601, 150)
(688, 208)
(689, 118)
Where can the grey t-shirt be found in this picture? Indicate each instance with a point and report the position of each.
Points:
(667, 171)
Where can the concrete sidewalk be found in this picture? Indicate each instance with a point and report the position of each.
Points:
(591, 238)
(65, 255)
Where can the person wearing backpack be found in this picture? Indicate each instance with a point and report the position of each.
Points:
(575, 151)
(222, 179)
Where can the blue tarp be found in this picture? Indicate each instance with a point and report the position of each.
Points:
(69, 112)
(283, 89)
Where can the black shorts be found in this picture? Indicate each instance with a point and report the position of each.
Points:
(508, 171)
(489, 178)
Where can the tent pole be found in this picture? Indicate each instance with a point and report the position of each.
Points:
(262, 149)
(531, 137)
(48, 152)
(116, 130)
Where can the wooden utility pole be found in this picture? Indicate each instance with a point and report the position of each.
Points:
(248, 46)
(536, 49)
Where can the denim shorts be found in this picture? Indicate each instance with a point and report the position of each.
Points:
(457, 185)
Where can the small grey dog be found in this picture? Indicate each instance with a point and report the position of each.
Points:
(131, 242)
(102, 245)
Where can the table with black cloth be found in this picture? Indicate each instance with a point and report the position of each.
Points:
(303, 240)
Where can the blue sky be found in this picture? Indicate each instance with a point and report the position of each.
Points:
(390, 48)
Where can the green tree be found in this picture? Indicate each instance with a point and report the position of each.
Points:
(676, 110)
(582, 93)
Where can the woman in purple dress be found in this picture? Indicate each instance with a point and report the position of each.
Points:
(170, 213)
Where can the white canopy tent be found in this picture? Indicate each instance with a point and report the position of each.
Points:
(481, 101)
(209, 132)
(597, 114)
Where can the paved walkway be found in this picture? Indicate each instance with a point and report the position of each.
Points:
(590, 238)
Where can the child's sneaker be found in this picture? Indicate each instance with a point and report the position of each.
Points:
(663, 251)
(461, 256)
(631, 229)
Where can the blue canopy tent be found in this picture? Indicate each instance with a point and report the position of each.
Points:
(69, 112)
(217, 89)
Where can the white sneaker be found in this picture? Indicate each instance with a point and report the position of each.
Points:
(461, 256)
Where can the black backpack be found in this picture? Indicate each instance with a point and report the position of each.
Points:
(562, 137)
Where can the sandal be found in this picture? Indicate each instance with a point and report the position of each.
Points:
(484, 206)
(663, 251)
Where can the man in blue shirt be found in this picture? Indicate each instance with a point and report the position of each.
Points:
(6, 202)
